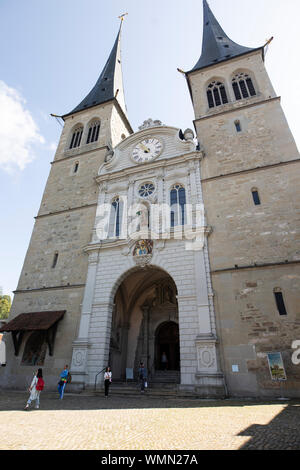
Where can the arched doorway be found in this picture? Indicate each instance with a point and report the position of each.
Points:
(145, 300)
(167, 352)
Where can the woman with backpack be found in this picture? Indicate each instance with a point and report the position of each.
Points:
(37, 385)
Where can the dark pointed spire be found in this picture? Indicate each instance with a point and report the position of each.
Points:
(110, 83)
(216, 45)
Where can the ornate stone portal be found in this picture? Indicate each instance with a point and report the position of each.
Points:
(135, 327)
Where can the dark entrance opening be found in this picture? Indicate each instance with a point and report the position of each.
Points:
(167, 343)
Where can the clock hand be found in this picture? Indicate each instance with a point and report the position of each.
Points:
(144, 148)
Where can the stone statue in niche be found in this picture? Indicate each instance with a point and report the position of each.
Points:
(164, 293)
(169, 297)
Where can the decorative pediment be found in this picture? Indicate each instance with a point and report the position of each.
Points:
(125, 156)
(150, 123)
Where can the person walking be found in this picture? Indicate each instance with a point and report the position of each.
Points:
(37, 385)
(142, 376)
(63, 381)
(107, 381)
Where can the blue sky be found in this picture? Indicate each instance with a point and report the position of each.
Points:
(52, 52)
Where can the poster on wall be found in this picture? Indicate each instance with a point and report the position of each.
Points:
(2, 352)
(276, 366)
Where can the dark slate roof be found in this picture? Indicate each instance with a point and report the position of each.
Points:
(216, 45)
(104, 90)
(33, 321)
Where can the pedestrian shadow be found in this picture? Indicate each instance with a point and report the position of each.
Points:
(281, 433)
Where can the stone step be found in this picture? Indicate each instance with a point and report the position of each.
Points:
(166, 377)
(136, 392)
(154, 390)
(163, 372)
(154, 386)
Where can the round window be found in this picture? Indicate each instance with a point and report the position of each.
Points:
(146, 189)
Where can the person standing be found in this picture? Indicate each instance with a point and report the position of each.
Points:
(63, 381)
(37, 385)
(164, 361)
(107, 380)
(142, 376)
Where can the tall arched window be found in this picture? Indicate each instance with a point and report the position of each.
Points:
(76, 137)
(93, 132)
(243, 86)
(177, 201)
(115, 219)
(216, 94)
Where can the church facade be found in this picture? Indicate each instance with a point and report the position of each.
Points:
(159, 246)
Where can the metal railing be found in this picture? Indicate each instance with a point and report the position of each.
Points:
(96, 376)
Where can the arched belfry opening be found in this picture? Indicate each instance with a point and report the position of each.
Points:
(145, 325)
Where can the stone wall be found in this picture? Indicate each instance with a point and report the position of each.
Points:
(253, 249)
(64, 226)
(250, 326)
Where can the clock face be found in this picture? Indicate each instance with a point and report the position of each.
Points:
(147, 150)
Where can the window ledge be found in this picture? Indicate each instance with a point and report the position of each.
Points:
(81, 149)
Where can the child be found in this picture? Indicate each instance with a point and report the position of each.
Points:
(35, 389)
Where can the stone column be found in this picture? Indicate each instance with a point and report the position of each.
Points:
(145, 349)
(210, 380)
(160, 186)
(151, 355)
(100, 341)
(101, 201)
(130, 193)
(125, 331)
(81, 344)
(193, 182)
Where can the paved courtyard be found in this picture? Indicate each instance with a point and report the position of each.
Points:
(144, 423)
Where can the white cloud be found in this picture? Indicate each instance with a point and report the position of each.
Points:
(18, 131)
(52, 146)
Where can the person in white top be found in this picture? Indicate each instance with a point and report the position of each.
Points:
(107, 380)
(35, 389)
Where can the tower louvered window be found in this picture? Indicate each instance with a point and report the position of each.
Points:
(55, 258)
(76, 137)
(216, 94)
(256, 198)
(243, 86)
(93, 132)
(280, 302)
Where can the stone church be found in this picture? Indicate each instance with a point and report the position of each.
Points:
(165, 243)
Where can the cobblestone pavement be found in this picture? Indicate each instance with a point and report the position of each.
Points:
(144, 423)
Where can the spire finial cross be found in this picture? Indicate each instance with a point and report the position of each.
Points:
(122, 16)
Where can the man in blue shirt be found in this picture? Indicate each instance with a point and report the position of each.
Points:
(62, 382)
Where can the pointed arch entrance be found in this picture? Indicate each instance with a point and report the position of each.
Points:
(144, 321)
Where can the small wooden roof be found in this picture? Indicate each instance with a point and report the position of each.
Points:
(33, 321)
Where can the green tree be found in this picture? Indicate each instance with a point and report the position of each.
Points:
(5, 304)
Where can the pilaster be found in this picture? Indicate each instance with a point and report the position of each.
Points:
(81, 344)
